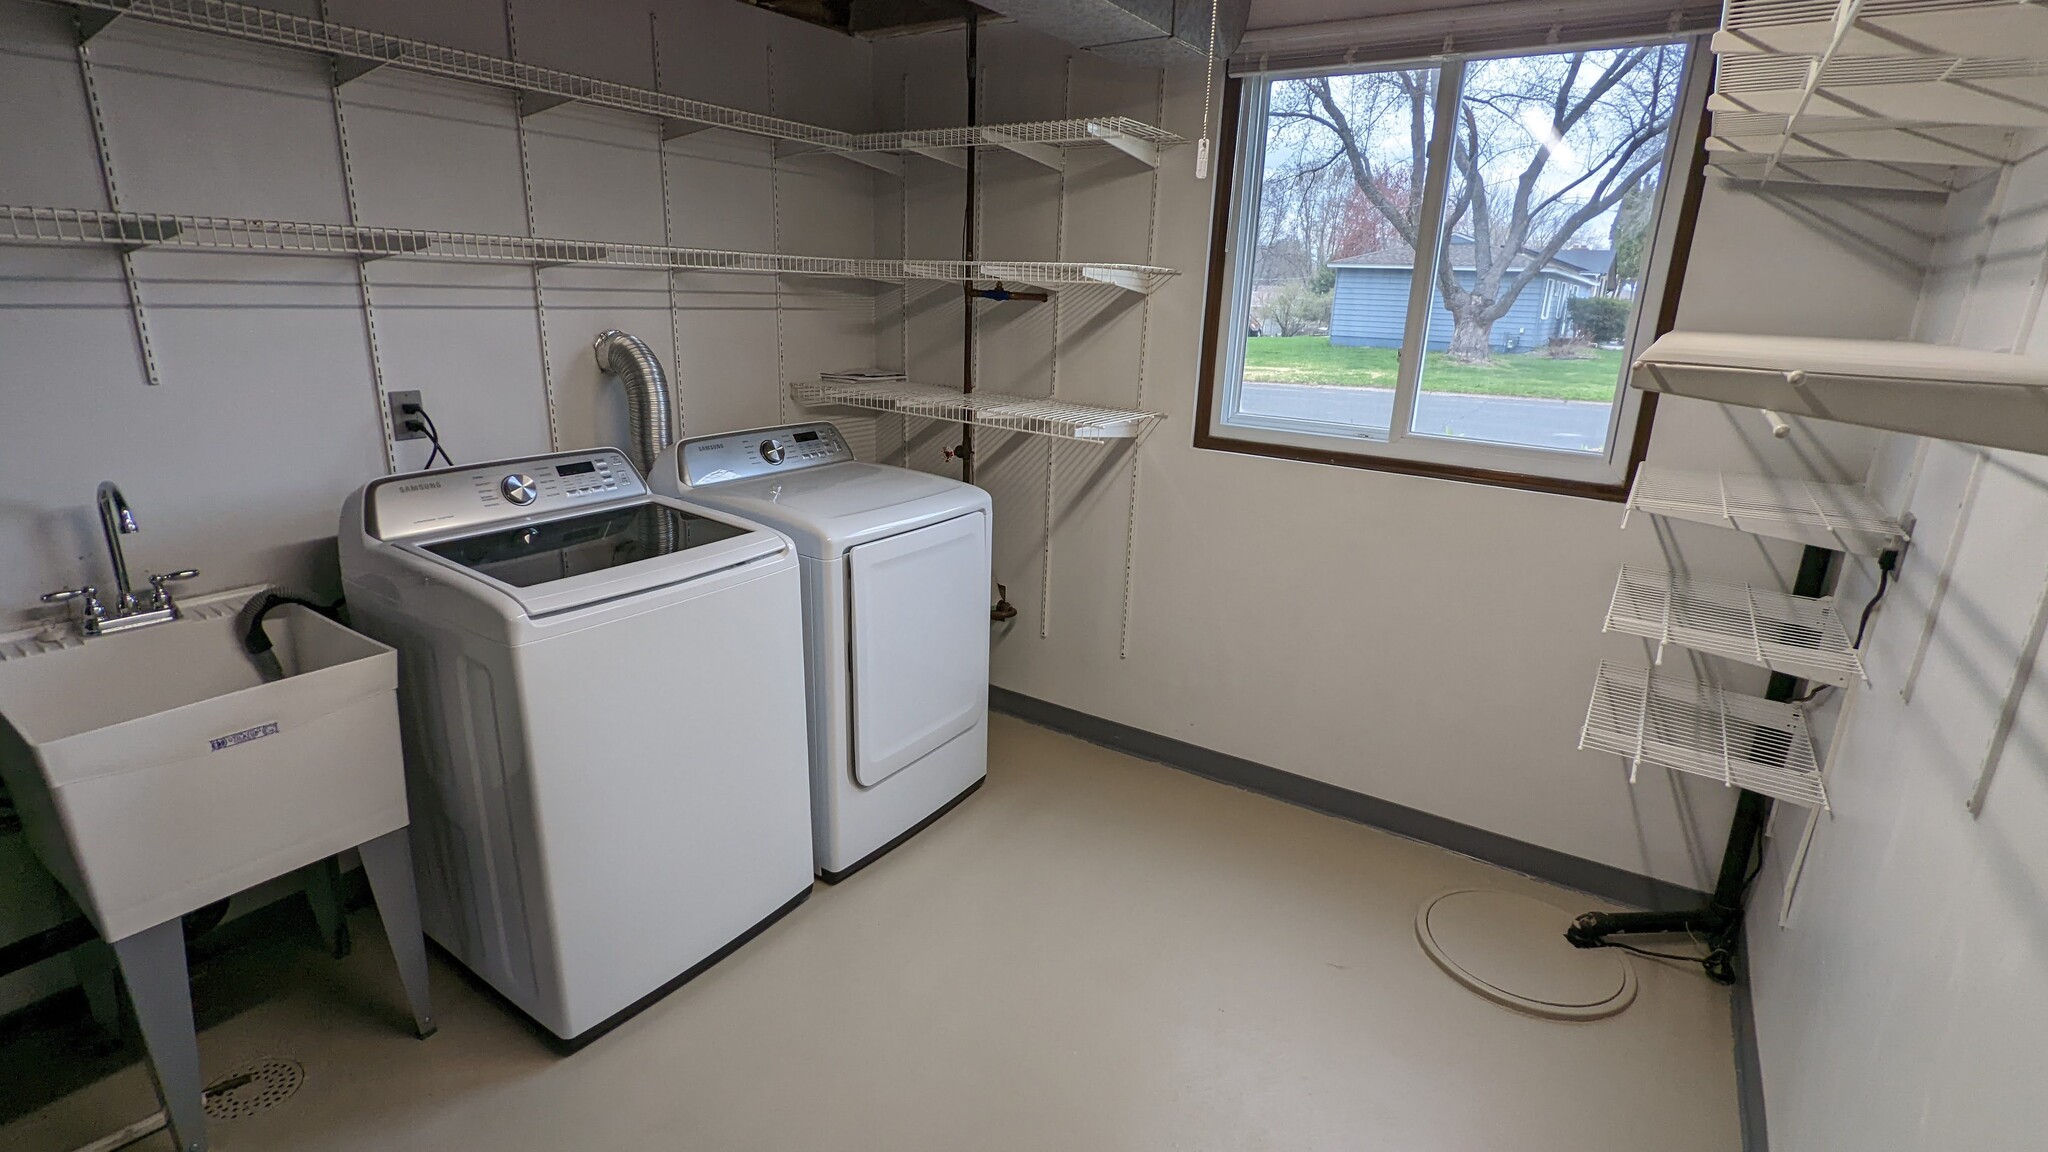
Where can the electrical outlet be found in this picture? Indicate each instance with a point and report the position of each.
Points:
(398, 401)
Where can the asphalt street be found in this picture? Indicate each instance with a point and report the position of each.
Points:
(1569, 424)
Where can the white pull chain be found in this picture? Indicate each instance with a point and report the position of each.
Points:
(1208, 95)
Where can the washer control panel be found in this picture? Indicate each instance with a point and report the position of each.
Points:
(398, 507)
(760, 452)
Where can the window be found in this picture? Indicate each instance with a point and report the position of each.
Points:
(1402, 243)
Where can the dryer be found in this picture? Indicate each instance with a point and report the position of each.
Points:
(602, 693)
(896, 627)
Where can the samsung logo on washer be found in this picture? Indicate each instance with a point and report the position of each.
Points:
(422, 486)
(243, 737)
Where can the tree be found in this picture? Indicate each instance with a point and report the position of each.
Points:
(1631, 231)
(1542, 147)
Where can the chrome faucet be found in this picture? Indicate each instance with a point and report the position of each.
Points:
(117, 521)
(130, 609)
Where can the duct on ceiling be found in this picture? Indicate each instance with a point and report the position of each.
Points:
(1145, 32)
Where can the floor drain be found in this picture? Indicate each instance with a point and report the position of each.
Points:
(257, 1086)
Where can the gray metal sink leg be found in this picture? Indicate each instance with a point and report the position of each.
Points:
(387, 861)
(153, 966)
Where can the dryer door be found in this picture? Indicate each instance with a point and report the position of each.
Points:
(918, 604)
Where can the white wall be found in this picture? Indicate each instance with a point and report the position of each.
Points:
(1905, 1004)
(1427, 642)
(266, 416)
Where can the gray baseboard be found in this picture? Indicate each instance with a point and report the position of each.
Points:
(1602, 880)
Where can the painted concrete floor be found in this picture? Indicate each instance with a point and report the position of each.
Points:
(1092, 953)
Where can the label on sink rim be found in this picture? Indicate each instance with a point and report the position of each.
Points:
(244, 736)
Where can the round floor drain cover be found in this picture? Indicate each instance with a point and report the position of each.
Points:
(1511, 949)
(257, 1086)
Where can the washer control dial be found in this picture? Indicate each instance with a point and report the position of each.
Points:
(771, 451)
(519, 488)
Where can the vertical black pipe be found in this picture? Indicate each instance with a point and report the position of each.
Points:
(968, 247)
(1751, 809)
(1720, 921)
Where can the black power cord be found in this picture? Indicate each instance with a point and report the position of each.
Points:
(1887, 563)
(419, 421)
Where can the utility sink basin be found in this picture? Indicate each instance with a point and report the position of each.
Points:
(156, 772)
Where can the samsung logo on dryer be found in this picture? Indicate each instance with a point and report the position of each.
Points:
(421, 486)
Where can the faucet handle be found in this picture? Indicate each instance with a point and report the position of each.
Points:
(89, 594)
(160, 584)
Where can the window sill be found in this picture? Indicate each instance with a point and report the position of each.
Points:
(1208, 440)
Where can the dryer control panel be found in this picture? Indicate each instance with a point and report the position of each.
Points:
(404, 506)
(759, 452)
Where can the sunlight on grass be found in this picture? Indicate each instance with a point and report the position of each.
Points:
(1314, 360)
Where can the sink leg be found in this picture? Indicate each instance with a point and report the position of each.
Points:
(387, 861)
(153, 966)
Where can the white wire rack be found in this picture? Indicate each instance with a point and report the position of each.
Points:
(1840, 172)
(60, 227)
(1797, 635)
(362, 51)
(1881, 27)
(1837, 516)
(1880, 141)
(1930, 81)
(1685, 726)
(1934, 89)
(1039, 416)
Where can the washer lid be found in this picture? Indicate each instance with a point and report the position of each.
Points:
(828, 510)
(614, 550)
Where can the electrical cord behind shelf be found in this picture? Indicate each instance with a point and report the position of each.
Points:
(417, 420)
(1887, 563)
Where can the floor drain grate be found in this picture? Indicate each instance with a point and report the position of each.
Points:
(257, 1086)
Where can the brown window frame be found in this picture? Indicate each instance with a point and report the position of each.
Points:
(1216, 308)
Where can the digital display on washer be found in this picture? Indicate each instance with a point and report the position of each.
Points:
(805, 437)
(533, 554)
(578, 468)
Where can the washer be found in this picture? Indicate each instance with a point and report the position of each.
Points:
(896, 627)
(603, 697)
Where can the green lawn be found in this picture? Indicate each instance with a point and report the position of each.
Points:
(1314, 360)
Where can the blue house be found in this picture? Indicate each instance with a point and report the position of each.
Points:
(1370, 307)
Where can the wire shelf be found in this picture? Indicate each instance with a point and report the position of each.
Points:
(1931, 89)
(1881, 27)
(1840, 172)
(1837, 516)
(1106, 130)
(1886, 142)
(365, 50)
(1685, 726)
(75, 227)
(1797, 635)
(1036, 415)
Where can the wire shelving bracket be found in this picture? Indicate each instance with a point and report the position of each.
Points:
(1685, 726)
(1798, 635)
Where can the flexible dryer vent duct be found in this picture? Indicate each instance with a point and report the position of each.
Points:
(632, 361)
